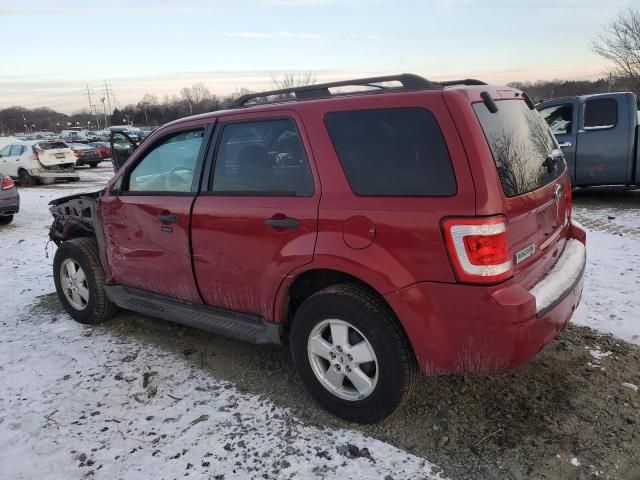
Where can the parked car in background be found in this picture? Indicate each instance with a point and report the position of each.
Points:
(377, 233)
(85, 155)
(103, 148)
(31, 162)
(9, 199)
(75, 138)
(599, 137)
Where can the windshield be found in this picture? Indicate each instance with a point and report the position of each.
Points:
(524, 149)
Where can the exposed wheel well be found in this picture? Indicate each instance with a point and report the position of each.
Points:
(313, 281)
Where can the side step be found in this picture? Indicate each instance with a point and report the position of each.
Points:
(240, 326)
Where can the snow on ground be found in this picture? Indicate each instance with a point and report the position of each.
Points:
(88, 402)
(94, 402)
(611, 297)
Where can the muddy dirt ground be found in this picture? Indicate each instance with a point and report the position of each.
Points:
(566, 414)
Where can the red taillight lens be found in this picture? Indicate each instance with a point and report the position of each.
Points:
(7, 183)
(479, 248)
(78, 153)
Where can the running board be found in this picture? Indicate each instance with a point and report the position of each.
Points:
(239, 326)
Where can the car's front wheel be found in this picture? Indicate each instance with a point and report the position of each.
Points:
(80, 279)
(6, 220)
(351, 354)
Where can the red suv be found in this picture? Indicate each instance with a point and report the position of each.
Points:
(409, 225)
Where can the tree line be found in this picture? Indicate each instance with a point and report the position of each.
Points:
(618, 43)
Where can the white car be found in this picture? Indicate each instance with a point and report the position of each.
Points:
(31, 162)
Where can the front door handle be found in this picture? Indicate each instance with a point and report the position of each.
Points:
(285, 222)
(564, 144)
(167, 218)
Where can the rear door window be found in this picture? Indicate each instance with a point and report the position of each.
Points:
(17, 150)
(523, 147)
(600, 113)
(262, 158)
(392, 152)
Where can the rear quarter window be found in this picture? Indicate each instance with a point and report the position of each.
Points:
(392, 152)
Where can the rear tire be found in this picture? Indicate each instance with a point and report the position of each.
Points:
(79, 279)
(25, 178)
(374, 352)
(94, 165)
(6, 220)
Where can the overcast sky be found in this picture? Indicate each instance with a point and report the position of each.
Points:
(51, 50)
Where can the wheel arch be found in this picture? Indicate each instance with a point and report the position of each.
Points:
(297, 288)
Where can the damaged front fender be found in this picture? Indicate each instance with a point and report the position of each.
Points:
(77, 216)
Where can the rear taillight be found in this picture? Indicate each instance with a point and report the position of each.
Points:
(7, 183)
(479, 248)
(78, 153)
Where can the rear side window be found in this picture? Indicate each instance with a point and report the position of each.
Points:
(262, 158)
(600, 113)
(523, 147)
(17, 150)
(392, 152)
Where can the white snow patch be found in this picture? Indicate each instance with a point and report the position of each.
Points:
(574, 461)
(598, 355)
(610, 301)
(630, 385)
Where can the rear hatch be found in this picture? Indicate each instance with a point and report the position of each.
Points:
(51, 154)
(536, 187)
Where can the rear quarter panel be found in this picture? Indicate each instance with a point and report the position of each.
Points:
(407, 244)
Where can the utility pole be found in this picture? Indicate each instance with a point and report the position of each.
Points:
(106, 91)
(104, 109)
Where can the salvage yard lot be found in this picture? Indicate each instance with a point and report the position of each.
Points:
(140, 398)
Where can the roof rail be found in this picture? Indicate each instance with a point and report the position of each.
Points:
(466, 81)
(321, 90)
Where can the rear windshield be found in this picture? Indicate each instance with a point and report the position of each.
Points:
(523, 147)
(392, 152)
(52, 145)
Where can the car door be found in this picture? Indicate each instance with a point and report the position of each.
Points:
(563, 120)
(256, 219)
(5, 155)
(603, 153)
(146, 215)
(18, 159)
(122, 147)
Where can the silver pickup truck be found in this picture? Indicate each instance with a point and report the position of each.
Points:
(598, 135)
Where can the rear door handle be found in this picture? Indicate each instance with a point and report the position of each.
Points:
(564, 144)
(167, 218)
(286, 222)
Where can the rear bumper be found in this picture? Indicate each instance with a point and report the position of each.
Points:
(88, 160)
(42, 173)
(457, 328)
(9, 206)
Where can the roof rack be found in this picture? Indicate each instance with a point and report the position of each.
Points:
(321, 90)
(466, 81)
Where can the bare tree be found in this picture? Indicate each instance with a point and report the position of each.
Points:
(620, 44)
(293, 80)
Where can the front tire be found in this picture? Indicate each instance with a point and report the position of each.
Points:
(79, 279)
(6, 220)
(351, 354)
